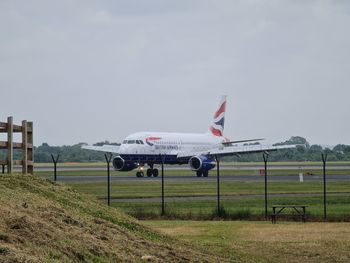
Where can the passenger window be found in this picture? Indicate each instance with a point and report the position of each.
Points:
(137, 142)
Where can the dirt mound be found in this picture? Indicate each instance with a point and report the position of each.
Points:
(42, 221)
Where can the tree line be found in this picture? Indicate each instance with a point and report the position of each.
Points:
(303, 152)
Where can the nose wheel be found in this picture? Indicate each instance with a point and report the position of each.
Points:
(139, 174)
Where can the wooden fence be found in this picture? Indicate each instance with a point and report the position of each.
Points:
(26, 145)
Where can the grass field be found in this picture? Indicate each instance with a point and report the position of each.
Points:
(240, 207)
(247, 209)
(264, 242)
(244, 209)
(241, 203)
(131, 189)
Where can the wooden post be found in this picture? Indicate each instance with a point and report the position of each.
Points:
(30, 155)
(26, 129)
(9, 144)
(24, 147)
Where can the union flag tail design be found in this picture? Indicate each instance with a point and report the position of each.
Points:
(217, 126)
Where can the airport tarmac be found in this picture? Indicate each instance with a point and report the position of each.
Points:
(186, 167)
(192, 178)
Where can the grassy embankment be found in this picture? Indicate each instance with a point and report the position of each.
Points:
(264, 242)
(41, 221)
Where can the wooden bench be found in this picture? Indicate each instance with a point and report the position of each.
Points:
(277, 209)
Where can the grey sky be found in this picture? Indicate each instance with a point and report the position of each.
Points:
(86, 71)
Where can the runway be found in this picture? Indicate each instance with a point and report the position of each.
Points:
(185, 167)
(192, 178)
(254, 167)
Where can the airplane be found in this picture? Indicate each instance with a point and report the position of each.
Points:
(199, 150)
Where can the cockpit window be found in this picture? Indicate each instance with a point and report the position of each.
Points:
(133, 142)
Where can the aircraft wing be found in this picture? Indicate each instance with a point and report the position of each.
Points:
(103, 148)
(235, 150)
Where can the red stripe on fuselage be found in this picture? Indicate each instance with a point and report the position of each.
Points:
(220, 110)
(153, 138)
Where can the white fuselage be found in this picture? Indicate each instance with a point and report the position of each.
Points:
(148, 146)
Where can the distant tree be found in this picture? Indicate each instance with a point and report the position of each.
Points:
(295, 140)
(106, 142)
(315, 148)
(341, 148)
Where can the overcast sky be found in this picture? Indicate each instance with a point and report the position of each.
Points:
(86, 71)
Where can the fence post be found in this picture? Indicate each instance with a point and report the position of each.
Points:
(30, 146)
(9, 144)
(24, 147)
(108, 160)
(162, 158)
(265, 157)
(218, 183)
(55, 160)
(324, 160)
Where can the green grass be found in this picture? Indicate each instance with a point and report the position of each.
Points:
(71, 164)
(240, 208)
(244, 209)
(264, 242)
(132, 189)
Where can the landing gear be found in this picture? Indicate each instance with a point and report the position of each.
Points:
(151, 172)
(139, 174)
(155, 172)
(202, 173)
(205, 173)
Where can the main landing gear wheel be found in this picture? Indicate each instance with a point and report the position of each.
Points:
(202, 173)
(155, 172)
(151, 172)
(139, 174)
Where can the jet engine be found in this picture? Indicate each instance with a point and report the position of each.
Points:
(120, 164)
(201, 163)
